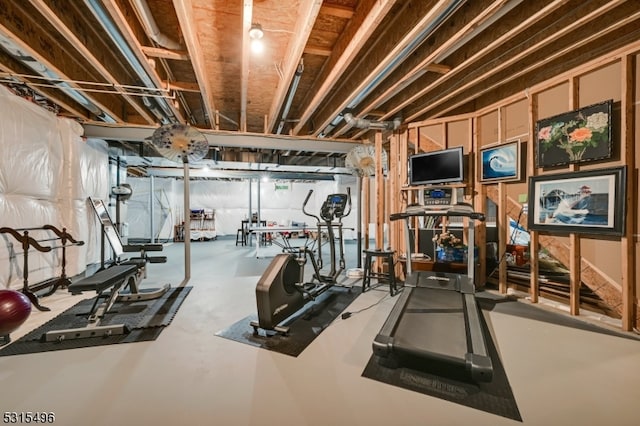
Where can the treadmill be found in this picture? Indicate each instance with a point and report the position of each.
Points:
(436, 324)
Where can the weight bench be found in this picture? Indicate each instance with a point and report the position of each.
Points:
(113, 279)
(110, 282)
(113, 238)
(108, 285)
(110, 233)
(142, 249)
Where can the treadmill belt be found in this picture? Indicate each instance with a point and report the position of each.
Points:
(444, 334)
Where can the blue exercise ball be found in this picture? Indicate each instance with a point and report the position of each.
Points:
(15, 308)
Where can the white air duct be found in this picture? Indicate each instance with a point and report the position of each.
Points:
(362, 123)
(144, 13)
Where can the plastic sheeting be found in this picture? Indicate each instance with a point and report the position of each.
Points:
(47, 171)
(280, 203)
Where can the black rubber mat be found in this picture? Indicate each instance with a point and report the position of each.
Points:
(145, 320)
(495, 397)
(304, 326)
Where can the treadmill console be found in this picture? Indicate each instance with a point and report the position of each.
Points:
(439, 197)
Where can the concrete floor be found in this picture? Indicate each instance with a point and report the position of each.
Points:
(559, 375)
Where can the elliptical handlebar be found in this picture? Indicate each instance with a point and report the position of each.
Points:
(335, 206)
(304, 207)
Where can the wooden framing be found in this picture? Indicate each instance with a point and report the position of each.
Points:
(574, 239)
(480, 202)
(630, 315)
(366, 214)
(534, 242)
(581, 269)
(380, 198)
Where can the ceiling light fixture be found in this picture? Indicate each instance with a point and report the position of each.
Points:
(256, 34)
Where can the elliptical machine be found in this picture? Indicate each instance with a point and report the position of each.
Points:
(282, 290)
(332, 208)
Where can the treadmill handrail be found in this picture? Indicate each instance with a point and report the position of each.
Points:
(458, 210)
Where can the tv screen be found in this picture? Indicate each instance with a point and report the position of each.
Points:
(445, 166)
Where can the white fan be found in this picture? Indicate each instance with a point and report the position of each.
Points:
(362, 159)
(179, 142)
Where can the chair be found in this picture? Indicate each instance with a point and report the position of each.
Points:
(241, 237)
(382, 277)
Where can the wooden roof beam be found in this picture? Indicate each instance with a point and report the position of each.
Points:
(345, 51)
(182, 86)
(427, 64)
(247, 16)
(337, 10)
(184, 10)
(317, 50)
(83, 49)
(536, 14)
(28, 37)
(307, 14)
(396, 40)
(45, 92)
(580, 23)
(157, 52)
(127, 33)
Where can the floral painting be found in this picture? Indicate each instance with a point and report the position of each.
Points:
(575, 137)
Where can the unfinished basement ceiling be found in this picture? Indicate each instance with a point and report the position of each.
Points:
(148, 62)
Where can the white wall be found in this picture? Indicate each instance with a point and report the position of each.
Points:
(47, 171)
(230, 200)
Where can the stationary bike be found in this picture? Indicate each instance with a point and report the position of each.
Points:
(281, 291)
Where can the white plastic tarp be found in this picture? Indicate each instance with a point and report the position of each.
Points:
(47, 171)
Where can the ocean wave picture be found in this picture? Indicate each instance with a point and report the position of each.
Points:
(500, 162)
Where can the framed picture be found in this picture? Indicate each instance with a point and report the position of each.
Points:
(500, 163)
(575, 137)
(589, 202)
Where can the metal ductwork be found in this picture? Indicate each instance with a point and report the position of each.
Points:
(103, 17)
(362, 123)
(54, 79)
(144, 13)
(292, 92)
(399, 59)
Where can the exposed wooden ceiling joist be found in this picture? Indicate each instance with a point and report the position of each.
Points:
(87, 52)
(158, 52)
(184, 11)
(365, 20)
(120, 21)
(524, 52)
(50, 60)
(304, 24)
(417, 66)
(376, 59)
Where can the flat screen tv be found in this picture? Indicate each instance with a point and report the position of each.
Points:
(435, 167)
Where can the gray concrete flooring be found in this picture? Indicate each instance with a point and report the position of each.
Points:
(559, 375)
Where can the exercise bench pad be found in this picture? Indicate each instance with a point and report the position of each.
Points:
(128, 248)
(103, 279)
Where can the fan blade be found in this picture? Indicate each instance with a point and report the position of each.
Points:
(177, 142)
